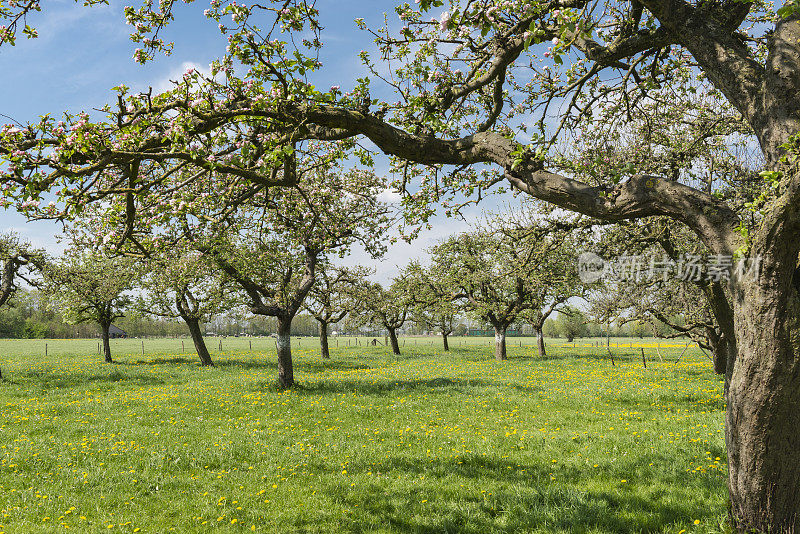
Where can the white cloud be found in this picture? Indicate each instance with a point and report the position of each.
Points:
(390, 196)
(176, 73)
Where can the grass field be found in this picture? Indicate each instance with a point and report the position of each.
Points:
(426, 442)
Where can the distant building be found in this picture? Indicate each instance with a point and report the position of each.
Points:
(114, 332)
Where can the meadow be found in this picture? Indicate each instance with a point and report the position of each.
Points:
(425, 442)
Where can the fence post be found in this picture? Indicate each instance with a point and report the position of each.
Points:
(45, 350)
(644, 362)
(143, 347)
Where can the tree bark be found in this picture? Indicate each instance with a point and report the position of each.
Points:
(393, 340)
(323, 340)
(762, 419)
(540, 343)
(500, 343)
(7, 285)
(106, 344)
(719, 354)
(444, 341)
(284, 347)
(199, 342)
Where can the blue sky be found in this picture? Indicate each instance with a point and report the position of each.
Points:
(83, 52)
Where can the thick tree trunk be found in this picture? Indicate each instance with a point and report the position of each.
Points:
(284, 346)
(323, 340)
(719, 354)
(199, 342)
(444, 341)
(393, 340)
(500, 343)
(106, 343)
(540, 343)
(763, 409)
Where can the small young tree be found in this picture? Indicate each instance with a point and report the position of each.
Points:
(86, 286)
(432, 298)
(330, 301)
(480, 267)
(388, 308)
(272, 245)
(555, 281)
(188, 286)
(571, 323)
(606, 305)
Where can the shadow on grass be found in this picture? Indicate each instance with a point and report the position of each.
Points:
(178, 360)
(49, 381)
(299, 365)
(688, 402)
(515, 498)
(441, 385)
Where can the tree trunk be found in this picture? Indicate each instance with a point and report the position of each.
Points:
(540, 343)
(444, 341)
(393, 340)
(323, 340)
(762, 427)
(719, 353)
(106, 344)
(284, 346)
(500, 343)
(199, 342)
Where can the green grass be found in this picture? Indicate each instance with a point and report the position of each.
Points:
(425, 442)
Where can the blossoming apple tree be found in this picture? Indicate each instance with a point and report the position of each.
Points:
(183, 284)
(330, 299)
(88, 286)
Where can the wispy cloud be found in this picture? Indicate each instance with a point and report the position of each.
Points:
(175, 73)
